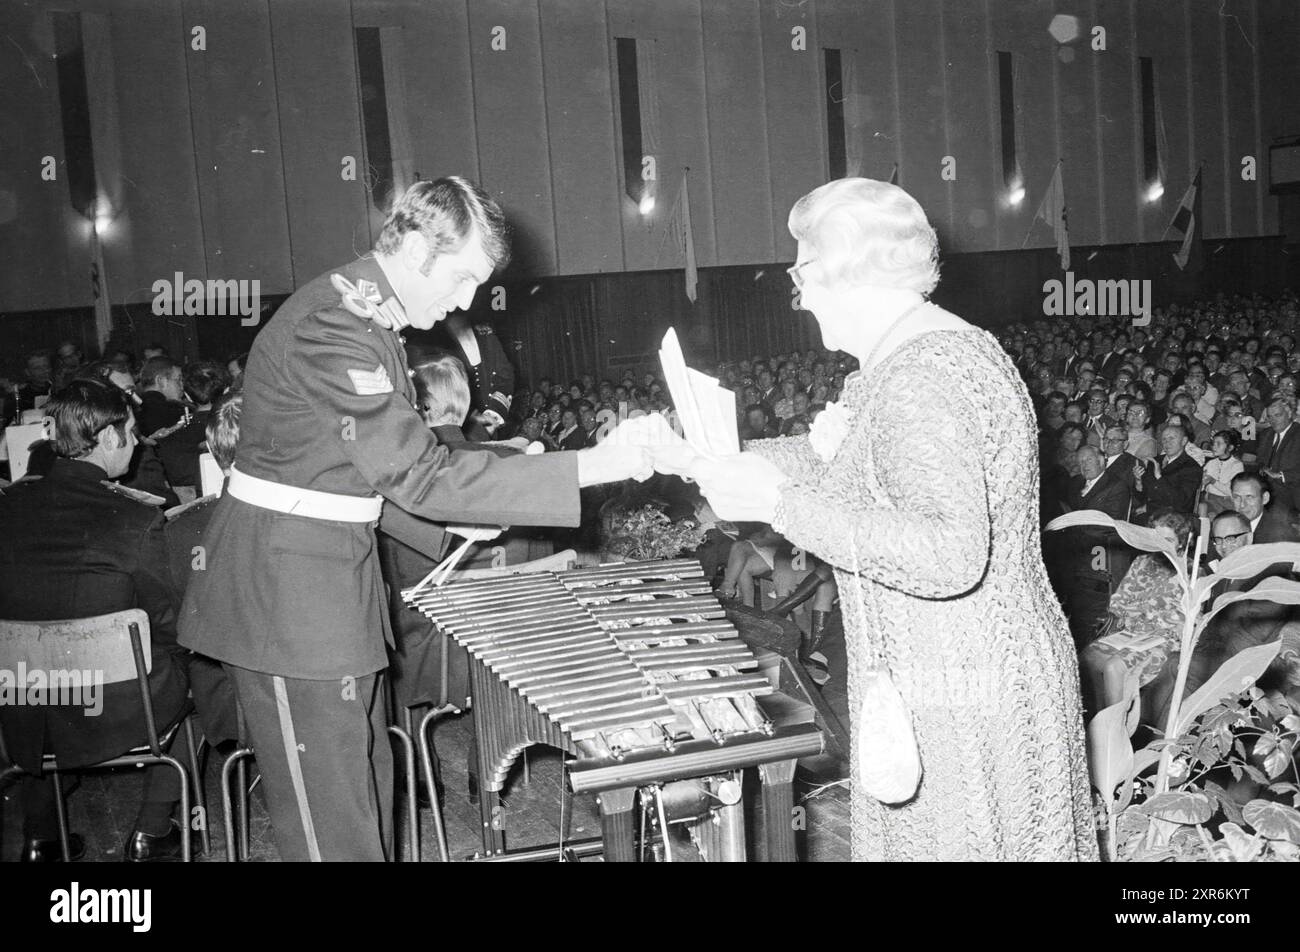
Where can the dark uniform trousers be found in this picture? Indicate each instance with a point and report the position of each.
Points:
(295, 606)
(309, 738)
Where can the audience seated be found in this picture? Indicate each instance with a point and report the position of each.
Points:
(73, 546)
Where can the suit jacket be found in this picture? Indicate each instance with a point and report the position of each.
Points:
(1277, 524)
(1111, 494)
(74, 545)
(1284, 458)
(328, 406)
(1108, 365)
(1176, 487)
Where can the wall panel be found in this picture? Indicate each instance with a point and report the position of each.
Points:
(1117, 121)
(970, 135)
(921, 96)
(796, 128)
(510, 115)
(746, 222)
(236, 130)
(320, 125)
(583, 153)
(38, 227)
(1205, 51)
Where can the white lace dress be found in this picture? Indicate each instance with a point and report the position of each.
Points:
(935, 490)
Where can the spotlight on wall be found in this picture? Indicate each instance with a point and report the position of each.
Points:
(647, 204)
(1015, 194)
(1154, 191)
(101, 214)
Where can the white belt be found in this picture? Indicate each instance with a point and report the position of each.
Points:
(303, 502)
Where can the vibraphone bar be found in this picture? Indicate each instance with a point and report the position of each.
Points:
(633, 669)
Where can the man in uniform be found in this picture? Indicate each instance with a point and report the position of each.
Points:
(291, 599)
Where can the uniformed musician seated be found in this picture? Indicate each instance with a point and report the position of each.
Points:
(73, 544)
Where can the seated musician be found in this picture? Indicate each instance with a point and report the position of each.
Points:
(73, 544)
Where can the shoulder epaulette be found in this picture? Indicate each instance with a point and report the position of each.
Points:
(135, 495)
(185, 507)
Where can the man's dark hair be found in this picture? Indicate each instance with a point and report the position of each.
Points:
(446, 211)
(155, 370)
(81, 410)
(1242, 478)
(761, 408)
(205, 380)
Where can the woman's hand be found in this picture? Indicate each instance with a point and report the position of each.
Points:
(740, 488)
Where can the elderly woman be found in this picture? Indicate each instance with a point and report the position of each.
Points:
(921, 489)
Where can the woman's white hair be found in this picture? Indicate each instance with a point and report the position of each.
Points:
(865, 232)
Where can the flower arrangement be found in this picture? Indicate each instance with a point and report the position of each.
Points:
(1183, 812)
(636, 534)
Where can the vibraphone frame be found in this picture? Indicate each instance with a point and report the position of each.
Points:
(499, 712)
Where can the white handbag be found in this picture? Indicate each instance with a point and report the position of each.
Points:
(889, 763)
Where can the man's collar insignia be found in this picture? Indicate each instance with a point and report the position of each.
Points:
(364, 300)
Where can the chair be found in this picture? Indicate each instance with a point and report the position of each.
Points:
(18, 443)
(211, 479)
(236, 761)
(115, 647)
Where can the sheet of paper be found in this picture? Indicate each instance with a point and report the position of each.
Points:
(706, 410)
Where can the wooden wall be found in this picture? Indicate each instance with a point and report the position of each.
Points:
(226, 162)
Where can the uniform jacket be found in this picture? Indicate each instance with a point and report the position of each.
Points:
(74, 545)
(328, 406)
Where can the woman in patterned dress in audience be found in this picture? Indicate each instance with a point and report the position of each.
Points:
(921, 489)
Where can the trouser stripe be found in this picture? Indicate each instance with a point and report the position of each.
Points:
(295, 768)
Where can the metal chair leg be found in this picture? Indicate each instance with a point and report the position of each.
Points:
(199, 787)
(412, 804)
(408, 725)
(245, 832)
(426, 757)
(187, 852)
(237, 757)
(61, 813)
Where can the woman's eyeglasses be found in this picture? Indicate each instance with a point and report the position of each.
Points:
(794, 272)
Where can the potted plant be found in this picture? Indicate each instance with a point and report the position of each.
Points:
(1205, 732)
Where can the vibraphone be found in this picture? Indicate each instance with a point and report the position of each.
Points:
(633, 669)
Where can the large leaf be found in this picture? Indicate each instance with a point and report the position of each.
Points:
(1277, 821)
(1148, 540)
(1143, 759)
(1234, 676)
(1180, 807)
(1110, 755)
(1279, 590)
(1243, 846)
(1250, 560)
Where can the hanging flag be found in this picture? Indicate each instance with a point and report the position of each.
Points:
(893, 175)
(1187, 221)
(1052, 210)
(678, 230)
(99, 287)
(692, 272)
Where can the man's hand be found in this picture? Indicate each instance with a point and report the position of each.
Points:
(611, 462)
